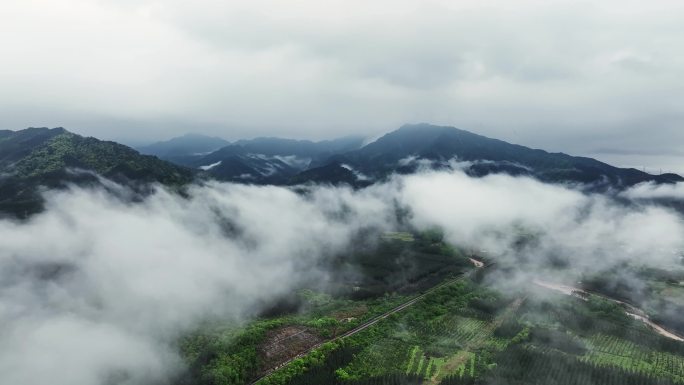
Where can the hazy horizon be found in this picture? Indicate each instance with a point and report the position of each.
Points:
(652, 163)
(578, 77)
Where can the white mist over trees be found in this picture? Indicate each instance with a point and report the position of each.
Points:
(97, 288)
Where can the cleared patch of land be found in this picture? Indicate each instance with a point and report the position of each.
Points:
(284, 343)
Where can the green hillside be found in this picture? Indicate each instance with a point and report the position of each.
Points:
(109, 159)
(460, 332)
(55, 157)
(439, 144)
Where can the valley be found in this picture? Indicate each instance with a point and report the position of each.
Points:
(415, 192)
(427, 257)
(466, 331)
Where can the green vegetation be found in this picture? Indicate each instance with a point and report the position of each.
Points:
(401, 236)
(460, 332)
(460, 335)
(234, 354)
(662, 295)
(106, 158)
(617, 352)
(384, 157)
(532, 366)
(437, 337)
(54, 158)
(224, 355)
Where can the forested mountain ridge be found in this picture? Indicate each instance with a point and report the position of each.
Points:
(180, 149)
(265, 160)
(37, 157)
(348, 161)
(47, 157)
(399, 150)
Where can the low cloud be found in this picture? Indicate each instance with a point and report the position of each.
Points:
(555, 224)
(96, 289)
(655, 191)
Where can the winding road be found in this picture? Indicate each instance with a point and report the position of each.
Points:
(630, 309)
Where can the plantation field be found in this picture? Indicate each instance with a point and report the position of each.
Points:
(401, 236)
(608, 350)
(460, 333)
(438, 338)
(431, 369)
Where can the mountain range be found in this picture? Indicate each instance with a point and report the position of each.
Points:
(182, 149)
(285, 161)
(260, 160)
(54, 158)
(405, 149)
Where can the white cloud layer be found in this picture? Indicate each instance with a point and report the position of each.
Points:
(655, 191)
(95, 290)
(589, 232)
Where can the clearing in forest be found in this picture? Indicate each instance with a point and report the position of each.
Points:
(286, 342)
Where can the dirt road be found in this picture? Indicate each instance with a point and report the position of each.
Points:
(630, 310)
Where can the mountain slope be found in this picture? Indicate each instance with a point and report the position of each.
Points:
(301, 148)
(333, 173)
(37, 157)
(235, 163)
(14, 145)
(184, 148)
(49, 157)
(270, 160)
(399, 150)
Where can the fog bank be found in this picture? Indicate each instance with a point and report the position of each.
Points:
(96, 289)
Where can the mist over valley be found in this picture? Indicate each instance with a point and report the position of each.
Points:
(341, 192)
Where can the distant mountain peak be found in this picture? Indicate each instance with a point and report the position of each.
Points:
(179, 148)
(272, 160)
(440, 144)
(195, 135)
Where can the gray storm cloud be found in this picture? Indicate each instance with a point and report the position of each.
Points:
(96, 289)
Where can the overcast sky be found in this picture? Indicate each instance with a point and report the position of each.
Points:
(604, 79)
